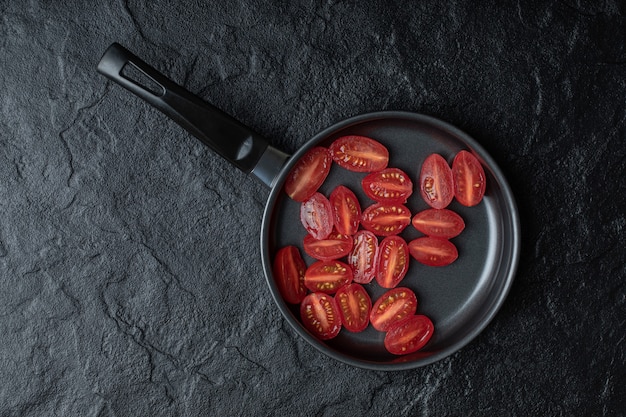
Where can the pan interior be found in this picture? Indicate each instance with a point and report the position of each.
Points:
(460, 298)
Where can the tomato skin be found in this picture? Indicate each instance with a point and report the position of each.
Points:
(335, 246)
(386, 219)
(346, 210)
(392, 307)
(469, 179)
(391, 185)
(359, 153)
(354, 305)
(320, 315)
(288, 270)
(439, 223)
(433, 251)
(362, 258)
(327, 276)
(316, 216)
(392, 261)
(308, 174)
(436, 183)
(409, 335)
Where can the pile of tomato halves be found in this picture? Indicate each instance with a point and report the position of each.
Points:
(330, 292)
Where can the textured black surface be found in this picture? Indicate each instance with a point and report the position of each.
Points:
(130, 272)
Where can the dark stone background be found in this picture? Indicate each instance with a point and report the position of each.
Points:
(130, 273)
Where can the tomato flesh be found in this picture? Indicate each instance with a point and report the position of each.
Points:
(436, 183)
(354, 307)
(391, 185)
(469, 179)
(308, 174)
(392, 307)
(433, 251)
(327, 276)
(289, 269)
(386, 219)
(316, 216)
(335, 246)
(362, 258)
(392, 262)
(359, 154)
(439, 223)
(409, 335)
(320, 315)
(346, 210)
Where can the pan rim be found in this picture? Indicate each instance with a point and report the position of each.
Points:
(508, 277)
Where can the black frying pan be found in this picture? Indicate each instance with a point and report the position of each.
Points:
(461, 299)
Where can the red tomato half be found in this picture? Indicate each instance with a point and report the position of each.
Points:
(354, 307)
(327, 276)
(346, 210)
(391, 185)
(289, 268)
(433, 251)
(359, 154)
(316, 216)
(392, 307)
(469, 179)
(334, 246)
(392, 261)
(409, 335)
(436, 184)
(386, 219)
(320, 315)
(308, 174)
(362, 258)
(439, 223)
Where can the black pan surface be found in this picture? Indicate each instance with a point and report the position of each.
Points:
(462, 298)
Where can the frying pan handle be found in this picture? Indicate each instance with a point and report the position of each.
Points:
(229, 138)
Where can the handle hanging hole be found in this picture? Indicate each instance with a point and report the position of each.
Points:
(143, 80)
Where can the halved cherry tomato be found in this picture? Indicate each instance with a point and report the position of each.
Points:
(439, 223)
(354, 307)
(386, 219)
(335, 246)
(308, 174)
(359, 154)
(320, 315)
(289, 268)
(346, 210)
(327, 276)
(469, 179)
(392, 307)
(391, 185)
(392, 261)
(362, 258)
(436, 185)
(409, 335)
(433, 251)
(316, 216)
